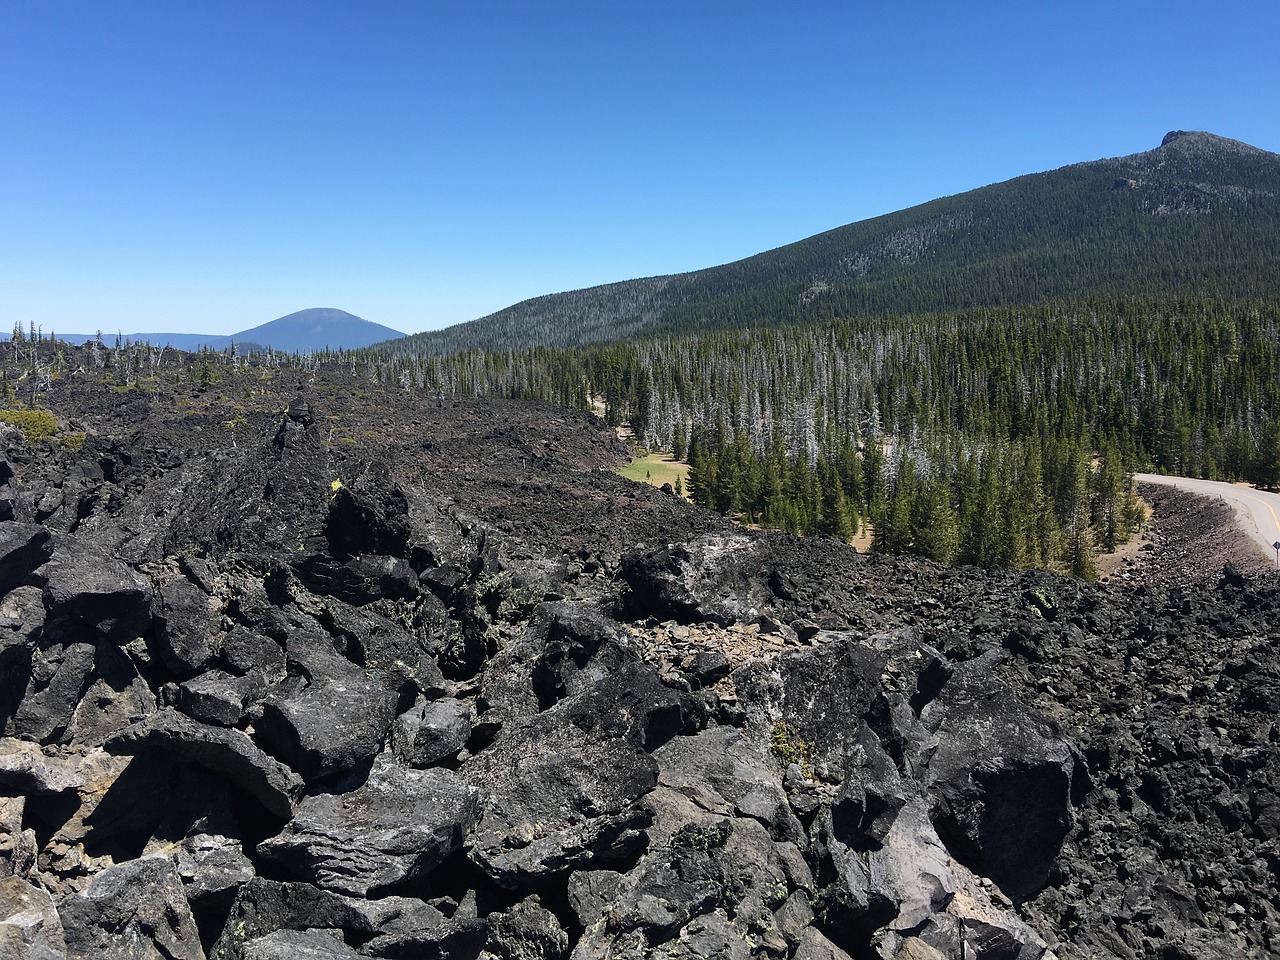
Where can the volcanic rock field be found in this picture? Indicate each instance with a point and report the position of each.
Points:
(293, 665)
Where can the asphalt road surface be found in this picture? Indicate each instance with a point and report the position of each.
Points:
(1258, 511)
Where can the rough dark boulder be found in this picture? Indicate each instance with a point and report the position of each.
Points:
(85, 588)
(1003, 780)
(117, 696)
(55, 684)
(561, 787)
(407, 654)
(871, 794)
(391, 926)
(186, 635)
(328, 716)
(701, 879)
(359, 580)
(136, 910)
(431, 732)
(368, 518)
(212, 867)
(825, 687)
(1201, 944)
(527, 931)
(728, 773)
(298, 945)
(451, 938)
(717, 578)
(266, 907)
(246, 652)
(854, 902)
(397, 825)
(814, 946)
(574, 645)
(722, 870)
(219, 698)
(22, 616)
(24, 547)
(228, 752)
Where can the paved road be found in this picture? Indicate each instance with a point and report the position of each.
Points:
(1257, 510)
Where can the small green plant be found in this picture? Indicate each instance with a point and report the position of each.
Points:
(72, 441)
(790, 749)
(36, 425)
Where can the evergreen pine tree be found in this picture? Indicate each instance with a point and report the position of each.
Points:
(833, 519)
(935, 523)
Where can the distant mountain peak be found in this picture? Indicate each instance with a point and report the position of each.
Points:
(318, 328)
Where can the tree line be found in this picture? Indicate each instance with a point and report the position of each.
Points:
(996, 436)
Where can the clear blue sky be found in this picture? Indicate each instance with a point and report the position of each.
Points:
(174, 165)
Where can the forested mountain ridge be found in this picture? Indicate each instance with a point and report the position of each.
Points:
(1199, 215)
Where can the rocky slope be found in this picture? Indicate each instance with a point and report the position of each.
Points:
(293, 666)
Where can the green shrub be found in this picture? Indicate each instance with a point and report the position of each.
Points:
(36, 425)
(790, 749)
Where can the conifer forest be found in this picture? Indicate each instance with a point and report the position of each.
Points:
(999, 437)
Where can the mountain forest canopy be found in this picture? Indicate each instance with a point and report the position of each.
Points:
(1197, 217)
(1000, 437)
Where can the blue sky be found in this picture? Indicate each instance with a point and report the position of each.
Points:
(175, 165)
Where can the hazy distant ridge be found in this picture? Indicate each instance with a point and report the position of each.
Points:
(317, 328)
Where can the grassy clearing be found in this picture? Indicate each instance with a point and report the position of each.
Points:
(657, 469)
(862, 541)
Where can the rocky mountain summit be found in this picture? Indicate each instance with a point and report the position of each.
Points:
(296, 666)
